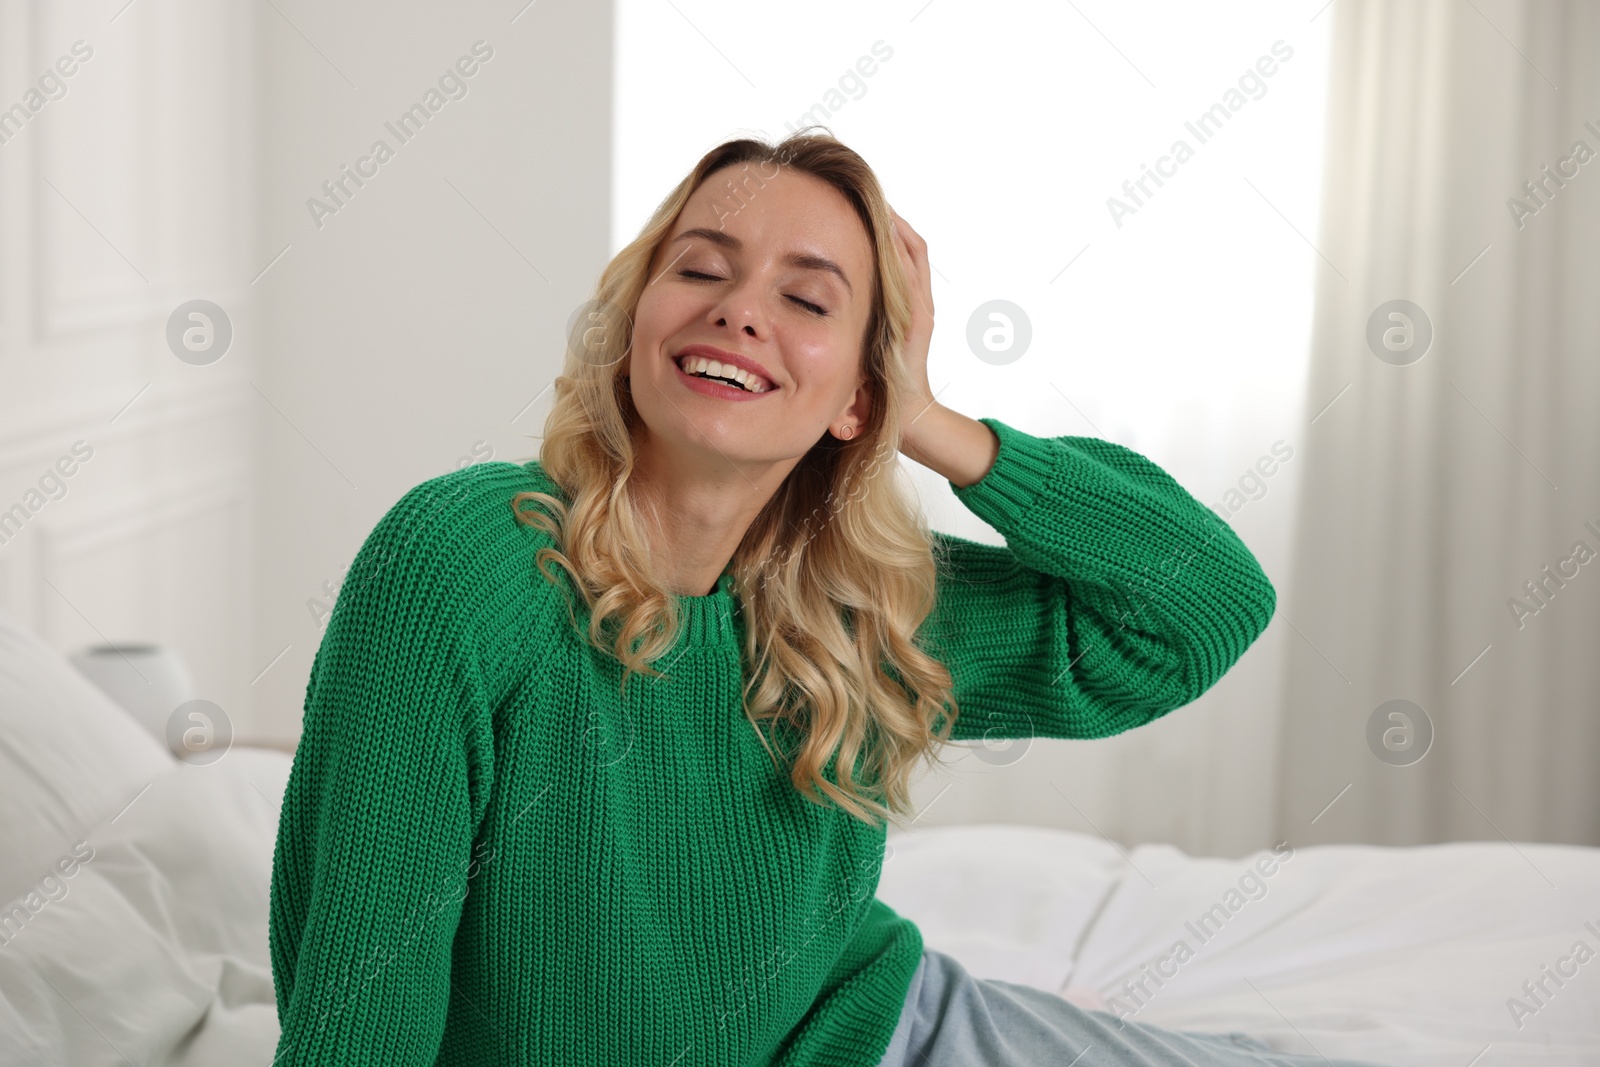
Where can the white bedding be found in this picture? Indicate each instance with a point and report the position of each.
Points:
(1397, 956)
(1404, 956)
(154, 951)
(133, 927)
(135, 890)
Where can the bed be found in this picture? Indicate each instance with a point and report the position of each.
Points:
(1403, 956)
(135, 890)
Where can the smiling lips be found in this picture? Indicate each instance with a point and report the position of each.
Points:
(714, 372)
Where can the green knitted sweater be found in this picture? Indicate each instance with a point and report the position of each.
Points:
(486, 856)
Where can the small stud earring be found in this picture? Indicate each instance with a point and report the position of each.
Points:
(848, 432)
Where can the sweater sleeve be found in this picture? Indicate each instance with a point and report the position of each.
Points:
(1117, 597)
(374, 853)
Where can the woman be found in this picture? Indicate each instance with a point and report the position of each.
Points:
(598, 749)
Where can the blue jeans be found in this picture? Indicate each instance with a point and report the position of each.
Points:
(952, 1019)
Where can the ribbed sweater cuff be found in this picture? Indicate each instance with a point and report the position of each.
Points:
(1021, 471)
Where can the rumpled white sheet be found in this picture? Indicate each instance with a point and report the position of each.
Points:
(1403, 956)
(154, 951)
(157, 951)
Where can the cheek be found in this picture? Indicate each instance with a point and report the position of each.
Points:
(820, 356)
(648, 317)
(665, 313)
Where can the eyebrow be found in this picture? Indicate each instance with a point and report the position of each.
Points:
(804, 260)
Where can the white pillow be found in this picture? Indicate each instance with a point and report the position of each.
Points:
(69, 757)
(155, 947)
(1008, 902)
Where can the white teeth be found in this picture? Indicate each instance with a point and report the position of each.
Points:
(702, 365)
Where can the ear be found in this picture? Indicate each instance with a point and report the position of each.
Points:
(860, 408)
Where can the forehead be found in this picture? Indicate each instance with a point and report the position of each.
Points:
(772, 215)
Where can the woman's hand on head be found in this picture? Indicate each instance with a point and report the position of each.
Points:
(913, 252)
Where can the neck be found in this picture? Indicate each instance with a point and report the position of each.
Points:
(700, 514)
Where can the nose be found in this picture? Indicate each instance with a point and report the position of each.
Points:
(748, 330)
(740, 308)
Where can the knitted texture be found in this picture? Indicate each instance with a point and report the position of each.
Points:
(485, 855)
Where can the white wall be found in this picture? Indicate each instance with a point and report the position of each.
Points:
(416, 327)
(1000, 131)
(127, 184)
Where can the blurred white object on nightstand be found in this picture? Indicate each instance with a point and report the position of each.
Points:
(150, 681)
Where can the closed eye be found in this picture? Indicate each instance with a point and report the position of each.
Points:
(808, 305)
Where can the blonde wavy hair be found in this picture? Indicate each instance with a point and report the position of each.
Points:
(835, 574)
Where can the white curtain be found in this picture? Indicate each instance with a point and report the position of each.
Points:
(1438, 491)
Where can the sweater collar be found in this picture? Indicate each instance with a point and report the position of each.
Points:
(705, 621)
(709, 620)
